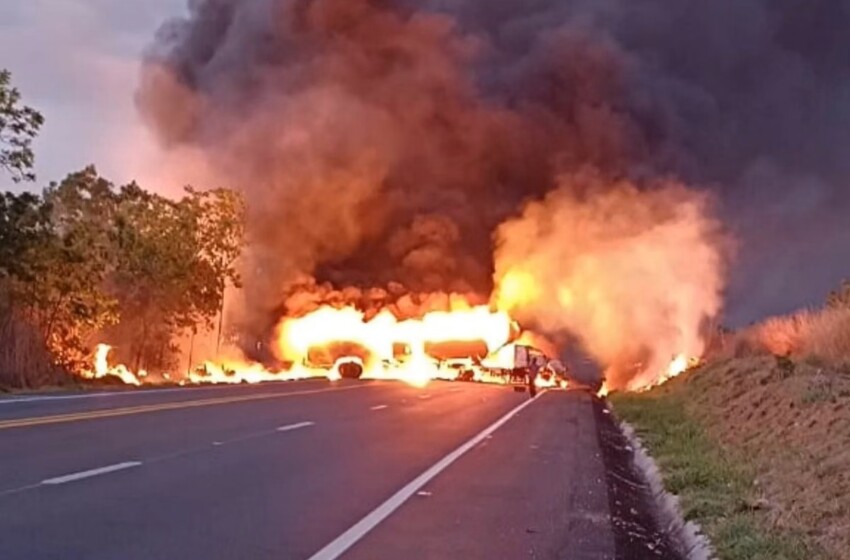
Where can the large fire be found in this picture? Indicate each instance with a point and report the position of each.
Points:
(467, 342)
(389, 348)
(633, 273)
(474, 343)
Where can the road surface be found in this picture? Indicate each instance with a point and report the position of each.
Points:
(307, 470)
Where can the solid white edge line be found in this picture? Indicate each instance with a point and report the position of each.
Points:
(349, 538)
(90, 473)
(378, 407)
(295, 426)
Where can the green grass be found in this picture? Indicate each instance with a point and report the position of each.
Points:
(715, 490)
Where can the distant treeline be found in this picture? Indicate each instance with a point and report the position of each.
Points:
(88, 260)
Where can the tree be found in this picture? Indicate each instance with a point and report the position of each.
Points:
(19, 125)
(52, 271)
(174, 261)
(154, 249)
(24, 223)
(81, 209)
(221, 237)
(125, 265)
(67, 265)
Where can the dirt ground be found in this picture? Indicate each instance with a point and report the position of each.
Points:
(791, 422)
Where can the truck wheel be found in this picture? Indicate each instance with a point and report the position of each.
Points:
(350, 370)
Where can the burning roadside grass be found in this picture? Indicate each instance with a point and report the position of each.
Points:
(817, 334)
(468, 343)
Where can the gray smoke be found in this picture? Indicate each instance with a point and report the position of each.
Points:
(383, 141)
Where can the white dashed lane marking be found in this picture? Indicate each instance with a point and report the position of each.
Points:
(338, 546)
(82, 475)
(90, 473)
(297, 426)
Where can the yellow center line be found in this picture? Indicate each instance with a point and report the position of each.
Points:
(126, 411)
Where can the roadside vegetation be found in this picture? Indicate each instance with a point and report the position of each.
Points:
(756, 442)
(818, 336)
(716, 490)
(87, 259)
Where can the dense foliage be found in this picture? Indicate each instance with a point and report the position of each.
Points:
(88, 259)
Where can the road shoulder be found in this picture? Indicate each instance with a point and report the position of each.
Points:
(535, 489)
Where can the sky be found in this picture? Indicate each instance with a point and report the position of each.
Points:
(77, 61)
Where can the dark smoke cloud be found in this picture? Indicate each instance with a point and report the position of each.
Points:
(383, 140)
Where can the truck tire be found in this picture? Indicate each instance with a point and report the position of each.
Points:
(350, 370)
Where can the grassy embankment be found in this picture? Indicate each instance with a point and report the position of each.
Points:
(758, 449)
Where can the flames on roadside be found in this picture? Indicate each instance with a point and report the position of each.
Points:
(468, 342)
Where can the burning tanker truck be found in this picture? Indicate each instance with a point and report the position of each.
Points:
(516, 364)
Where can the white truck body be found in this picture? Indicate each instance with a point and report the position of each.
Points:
(521, 358)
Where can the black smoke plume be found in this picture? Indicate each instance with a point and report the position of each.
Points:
(383, 141)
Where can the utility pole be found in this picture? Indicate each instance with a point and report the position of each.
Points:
(191, 349)
(220, 322)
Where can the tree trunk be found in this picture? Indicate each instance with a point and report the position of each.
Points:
(191, 349)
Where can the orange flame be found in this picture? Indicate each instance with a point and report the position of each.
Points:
(603, 390)
(102, 368)
(677, 366)
(390, 348)
(467, 342)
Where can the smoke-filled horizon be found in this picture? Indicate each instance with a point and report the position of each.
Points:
(383, 142)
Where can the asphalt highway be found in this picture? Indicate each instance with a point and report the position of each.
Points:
(306, 470)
